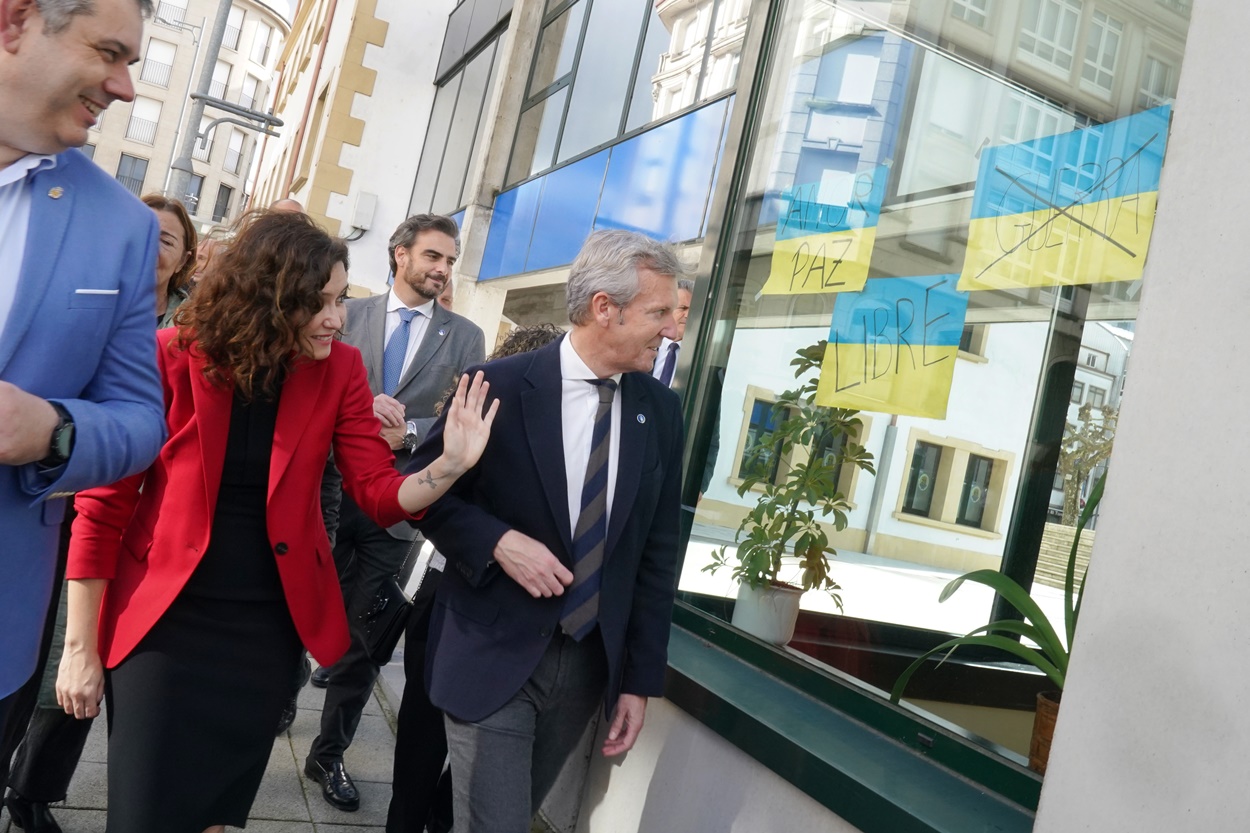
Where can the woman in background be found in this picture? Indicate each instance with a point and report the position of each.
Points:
(207, 572)
(175, 256)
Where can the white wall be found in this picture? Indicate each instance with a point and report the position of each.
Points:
(395, 117)
(1151, 734)
(684, 778)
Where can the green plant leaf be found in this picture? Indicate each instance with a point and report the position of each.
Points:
(1071, 594)
(1011, 646)
(1016, 596)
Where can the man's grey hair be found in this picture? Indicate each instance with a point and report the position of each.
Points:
(57, 14)
(609, 262)
(406, 233)
(686, 285)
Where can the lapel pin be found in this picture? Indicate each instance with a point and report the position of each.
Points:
(56, 193)
(642, 419)
(442, 332)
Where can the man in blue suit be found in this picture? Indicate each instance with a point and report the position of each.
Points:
(80, 399)
(561, 543)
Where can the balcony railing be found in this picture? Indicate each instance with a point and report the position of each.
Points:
(156, 73)
(233, 159)
(202, 153)
(141, 130)
(170, 12)
(230, 39)
(217, 89)
(133, 185)
(246, 100)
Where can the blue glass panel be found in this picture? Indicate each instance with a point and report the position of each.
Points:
(658, 182)
(566, 213)
(459, 218)
(511, 227)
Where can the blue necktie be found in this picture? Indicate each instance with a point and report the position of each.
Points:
(670, 362)
(581, 598)
(396, 349)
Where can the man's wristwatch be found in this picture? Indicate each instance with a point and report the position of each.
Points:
(62, 442)
(410, 439)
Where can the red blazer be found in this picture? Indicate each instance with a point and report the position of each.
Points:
(149, 540)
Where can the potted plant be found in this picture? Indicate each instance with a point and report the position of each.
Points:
(1051, 654)
(796, 498)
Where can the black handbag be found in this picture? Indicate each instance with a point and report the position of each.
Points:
(387, 616)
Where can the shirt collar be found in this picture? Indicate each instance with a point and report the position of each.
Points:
(572, 366)
(28, 165)
(393, 303)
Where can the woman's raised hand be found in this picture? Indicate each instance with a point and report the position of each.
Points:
(467, 428)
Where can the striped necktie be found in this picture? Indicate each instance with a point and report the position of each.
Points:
(581, 598)
(396, 349)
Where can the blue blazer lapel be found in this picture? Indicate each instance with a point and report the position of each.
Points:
(637, 422)
(45, 240)
(541, 411)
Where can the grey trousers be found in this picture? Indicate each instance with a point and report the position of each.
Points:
(503, 766)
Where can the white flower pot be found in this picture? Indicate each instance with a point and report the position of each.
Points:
(768, 612)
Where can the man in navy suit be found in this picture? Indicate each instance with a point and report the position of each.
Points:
(561, 543)
(80, 399)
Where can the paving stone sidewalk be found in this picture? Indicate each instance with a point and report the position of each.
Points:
(287, 802)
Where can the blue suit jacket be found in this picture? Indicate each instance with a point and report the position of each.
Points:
(93, 351)
(487, 634)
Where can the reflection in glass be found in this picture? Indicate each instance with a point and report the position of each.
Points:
(602, 77)
(536, 137)
(986, 475)
(557, 46)
(435, 144)
(923, 479)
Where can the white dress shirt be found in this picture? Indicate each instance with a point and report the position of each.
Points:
(416, 328)
(661, 356)
(579, 401)
(15, 202)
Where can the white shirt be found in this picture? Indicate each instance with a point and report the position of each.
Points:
(579, 401)
(661, 356)
(15, 201)
(416, 328)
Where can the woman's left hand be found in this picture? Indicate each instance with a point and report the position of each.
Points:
(468, 428)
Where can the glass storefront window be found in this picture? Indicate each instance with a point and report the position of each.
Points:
(956, 197)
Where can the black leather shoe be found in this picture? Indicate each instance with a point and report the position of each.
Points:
(31, 816)
(288, 716)
(336, 785)
(321, 677)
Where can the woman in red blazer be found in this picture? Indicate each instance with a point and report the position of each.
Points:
(199, 582)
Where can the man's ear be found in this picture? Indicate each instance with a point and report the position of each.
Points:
(17, 18)
(601, 309)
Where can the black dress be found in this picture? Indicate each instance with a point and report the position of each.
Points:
(192, 710)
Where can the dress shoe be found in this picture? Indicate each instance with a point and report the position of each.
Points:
(31, 816)
(288, 716)
(336, 785)
(321, 677)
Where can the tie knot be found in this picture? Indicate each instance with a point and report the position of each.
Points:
(606, 389)
(406, 315)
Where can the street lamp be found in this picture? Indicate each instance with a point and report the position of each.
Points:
(196, 32)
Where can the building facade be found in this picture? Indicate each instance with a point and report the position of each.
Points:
(957, 197)
(136, 142)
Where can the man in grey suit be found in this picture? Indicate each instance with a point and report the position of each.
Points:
(413, 351)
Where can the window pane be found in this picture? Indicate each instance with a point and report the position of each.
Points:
(922, 479)
(975, 492)
(557, 45)
(536, 137)
(644, 100)
(435, 144)
(131, 171)
(463, 130)
(602, 76)
(871, 188)
(721, 72)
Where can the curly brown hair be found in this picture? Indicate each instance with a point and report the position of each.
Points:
(159, 202)
(246, 315)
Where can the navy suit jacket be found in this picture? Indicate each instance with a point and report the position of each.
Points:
(82, 332)
(487, 633)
